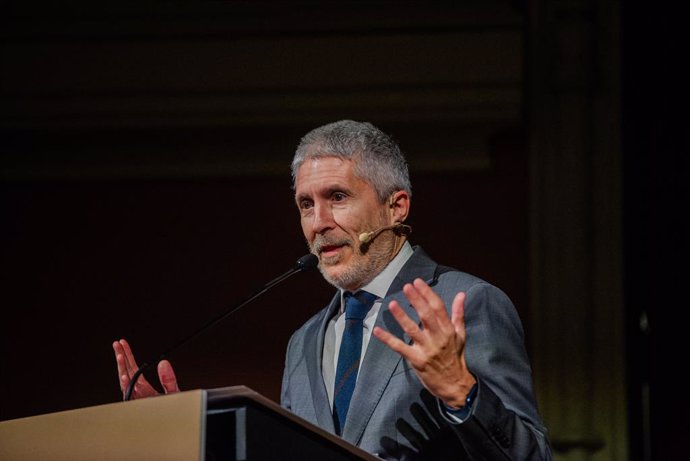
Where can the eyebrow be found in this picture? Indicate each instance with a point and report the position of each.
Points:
(299, 198)
(327, 192)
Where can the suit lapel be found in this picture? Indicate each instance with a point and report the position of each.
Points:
(380, 361)
(314, 351)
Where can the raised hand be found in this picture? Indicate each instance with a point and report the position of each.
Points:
(127, 366)
(437, 352)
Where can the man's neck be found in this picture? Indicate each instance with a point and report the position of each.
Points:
(382, 281)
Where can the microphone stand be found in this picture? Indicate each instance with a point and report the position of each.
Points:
(306, 262)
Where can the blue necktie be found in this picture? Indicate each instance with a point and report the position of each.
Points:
(356, 308)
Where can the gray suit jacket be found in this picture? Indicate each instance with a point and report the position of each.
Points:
(392, 415)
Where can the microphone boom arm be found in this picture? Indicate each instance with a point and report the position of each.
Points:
(304, 263)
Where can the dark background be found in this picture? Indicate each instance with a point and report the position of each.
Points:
(151, 261)
(656, 174)
(141, 195)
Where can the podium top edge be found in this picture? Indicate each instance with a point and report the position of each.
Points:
(219, 398)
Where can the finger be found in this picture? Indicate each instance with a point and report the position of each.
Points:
(124, 385)
(432, 299)
(458, 314)
(391, 341)
(433, 315)
(119, 358)
(129, 357)
(426, 314)
(167, 377)
(409, 353)
(123, 365)
(406, 323)
(123, 374)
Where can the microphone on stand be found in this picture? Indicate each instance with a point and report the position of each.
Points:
(306, 262)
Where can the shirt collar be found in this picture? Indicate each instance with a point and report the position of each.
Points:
(381, 283)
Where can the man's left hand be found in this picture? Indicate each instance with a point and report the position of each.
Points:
(437, 351)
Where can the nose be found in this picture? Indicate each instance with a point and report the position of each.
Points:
(323, 218)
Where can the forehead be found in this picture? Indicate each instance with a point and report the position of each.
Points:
(325, 172)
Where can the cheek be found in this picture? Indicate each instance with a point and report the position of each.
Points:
(346, 219)
(306, 229)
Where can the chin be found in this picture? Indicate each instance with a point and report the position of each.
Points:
(338, 278)
(347, 278)
(333, 273)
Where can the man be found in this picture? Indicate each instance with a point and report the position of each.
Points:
(447, 375)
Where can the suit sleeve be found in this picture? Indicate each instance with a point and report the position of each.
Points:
(284, 390)
(504, 423)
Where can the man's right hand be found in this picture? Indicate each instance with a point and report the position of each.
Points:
(127, 366)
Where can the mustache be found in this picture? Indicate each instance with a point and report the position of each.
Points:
(322, 241)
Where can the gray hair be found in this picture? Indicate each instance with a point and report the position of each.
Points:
(377, 158)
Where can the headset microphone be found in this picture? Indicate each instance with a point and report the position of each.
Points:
(399, 228)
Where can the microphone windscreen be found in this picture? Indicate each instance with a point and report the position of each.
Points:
(307, 261)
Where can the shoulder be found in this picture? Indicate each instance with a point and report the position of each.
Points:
(450, 281)
(423, 266)
(485, 303)
(450, 277)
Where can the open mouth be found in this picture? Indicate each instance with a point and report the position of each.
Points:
(330, 250)
(329, 247)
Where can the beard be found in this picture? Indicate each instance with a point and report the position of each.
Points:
(363, 265)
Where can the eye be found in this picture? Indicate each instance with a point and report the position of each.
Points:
(305, 204)
(339, 197)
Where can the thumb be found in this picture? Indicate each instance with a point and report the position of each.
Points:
(458, 314)
(166, 375)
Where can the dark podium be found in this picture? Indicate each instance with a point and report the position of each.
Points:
(231, 423)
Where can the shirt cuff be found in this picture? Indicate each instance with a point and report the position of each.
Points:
(459, 415)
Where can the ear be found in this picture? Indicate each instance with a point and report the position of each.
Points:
(399, 204)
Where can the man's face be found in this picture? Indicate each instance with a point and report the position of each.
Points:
(335, 207)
